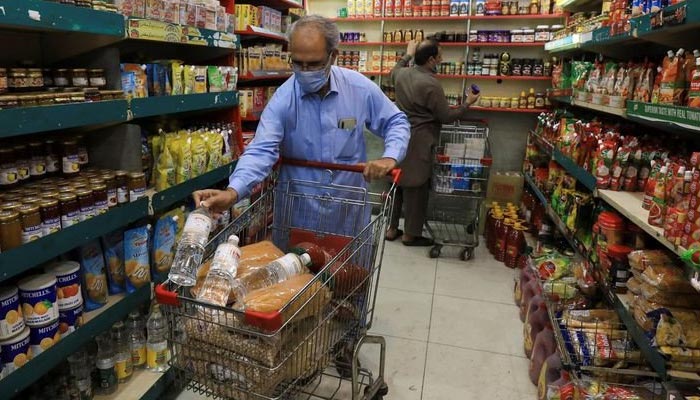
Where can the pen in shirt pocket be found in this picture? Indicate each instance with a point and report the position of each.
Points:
(347, 123)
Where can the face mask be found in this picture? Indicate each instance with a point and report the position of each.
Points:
(312, 81)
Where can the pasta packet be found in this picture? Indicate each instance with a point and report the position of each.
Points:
(94, 285)
(136, 259)
(113, 244)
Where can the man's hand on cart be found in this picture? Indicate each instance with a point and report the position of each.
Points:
(217, 201)
(378, 169)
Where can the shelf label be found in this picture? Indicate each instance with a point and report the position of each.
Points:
(683, 116)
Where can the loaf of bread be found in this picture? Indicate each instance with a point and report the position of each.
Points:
(667, 277)
(276, 297)
(641, 259)
(670, 299)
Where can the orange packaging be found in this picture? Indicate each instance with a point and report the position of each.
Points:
(694, 92)
(672, 84)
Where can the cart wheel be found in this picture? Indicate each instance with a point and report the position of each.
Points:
(383, 391)
(435, 251)
(467, 254)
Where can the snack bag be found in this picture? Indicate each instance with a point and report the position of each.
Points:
(136, 260)
(164, 170)
(94, 278)
(672, 86)
(164, 237)
(198, 150)
(231, 79)
(188, 79)
(215, 144)
(113, 245)
(140, 79)
(177, 78)
(183, 159)
(643, 90)
(694, 91)
(216, 79)
(200, 79)
(128, 84)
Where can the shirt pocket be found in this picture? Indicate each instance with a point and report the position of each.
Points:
(346, 145)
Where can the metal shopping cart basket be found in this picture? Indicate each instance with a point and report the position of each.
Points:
(290, 353)
(460, 175)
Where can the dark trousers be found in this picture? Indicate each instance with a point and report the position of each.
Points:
(414, 202)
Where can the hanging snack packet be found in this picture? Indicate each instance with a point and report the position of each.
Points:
(215, 144)
(198, 149)
(113, 245)
(136, 260)
(183, 159)
(672, 85)
(165, 164)
(94, 285)
(694, 92)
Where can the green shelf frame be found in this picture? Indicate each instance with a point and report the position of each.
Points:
(664, 116)
(27, 120)
(28, 256)
(37, 367)
(574, 170)
(163, 105)
(168, 197)
(45, 16)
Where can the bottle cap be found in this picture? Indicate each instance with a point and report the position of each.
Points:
(305, 259)
(233, 239)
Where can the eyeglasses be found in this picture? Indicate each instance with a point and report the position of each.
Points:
(310, 66)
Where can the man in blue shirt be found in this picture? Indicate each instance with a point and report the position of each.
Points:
(318, 114)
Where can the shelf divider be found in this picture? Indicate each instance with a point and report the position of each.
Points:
(162, 105)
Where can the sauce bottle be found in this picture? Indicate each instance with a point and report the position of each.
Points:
(501, 236)
(658, 206)
(531, 99)
(649, 187)
(515, 245)
(522, 101)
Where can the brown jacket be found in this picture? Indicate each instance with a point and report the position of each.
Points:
(420, 95)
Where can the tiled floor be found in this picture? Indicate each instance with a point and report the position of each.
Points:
(451, 328)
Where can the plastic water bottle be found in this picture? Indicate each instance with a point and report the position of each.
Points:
(122, 354)
(157, 352)
(137, 340)
(277, 271)
(190, 249)
(106, 374)
(219, 280)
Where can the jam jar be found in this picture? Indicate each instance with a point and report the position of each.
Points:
(99, 194)
(31, 223)
(79, 77)
(110, 180)
(3, 80)
(70, 158)
(18, 79)
(86, 203)
(10, 230)
(122, 186)
(36, 78)
(137, 185)
(53, 162)
(22, 157)
(50, 216)
(48, 77)
(9, 175)
(97, 77)
(70, 210)
(61, 77)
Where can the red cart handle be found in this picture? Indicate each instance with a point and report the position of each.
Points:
(359, 168)
(165, 296)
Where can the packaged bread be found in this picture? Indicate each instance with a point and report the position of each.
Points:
(277, 297)
(680, 354)
(634, 285)
(684, 366)
(643, 309)
(671, 299)
(591, 319)
(600, 349)
(641, 259)
(667, 277)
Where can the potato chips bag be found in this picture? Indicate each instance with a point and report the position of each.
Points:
(136, 258)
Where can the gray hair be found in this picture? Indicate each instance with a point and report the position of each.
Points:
(322, 24)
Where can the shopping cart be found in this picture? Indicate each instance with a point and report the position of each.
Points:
(289, 354)
(460, 174)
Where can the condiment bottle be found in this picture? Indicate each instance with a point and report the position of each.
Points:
(620, 270)
(649, 187)
(522, 101)
(106, 373)
(531, 99)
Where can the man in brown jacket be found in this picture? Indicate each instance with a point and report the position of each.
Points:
(420, 95)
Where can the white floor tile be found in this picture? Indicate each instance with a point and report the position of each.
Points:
(402, 314)
(405, 363)
(454, 373)
(474, 280)
(408, 272)
(476, 325)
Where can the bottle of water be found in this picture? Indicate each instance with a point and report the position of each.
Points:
(157, 352)
(137, 340)
(219, 280)
(122, 354)
(277, 271)
(106, 374)
(190, 249)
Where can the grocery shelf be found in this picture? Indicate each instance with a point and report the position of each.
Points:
(517, 17)
(26, 120)
(455, 18)
(356, 19)
(574, 170)
(579, 5)
(264, 75)
(277, 4)
(164, 105)
(375, 73)
(117, 307)
(510, 110)
(254, 31)
(542, 144)
(141, 29)
(44, 16)
(353, 43)
(28, 256)
(504, 44)
(161, 201)
(538, 193)
(629, 204)
(664, 116)
(618, 112)
(430, 18)
(144, 384)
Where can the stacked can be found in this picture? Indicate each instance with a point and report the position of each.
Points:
(69, 295)
(38, 295)
(14, 335)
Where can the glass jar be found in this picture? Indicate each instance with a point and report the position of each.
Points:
(50, 216)
(9, 175)
(473, 35)
(48, 77)
(8, 101)
(28, 100)
(37, 159)
(83, 158)
(99, 194)
(514, 102)
(137, 185)
(46, 99)
(70, 159)
(31, 223)
(110, 180)
(10, 230)
(3, 80)
(79, 77)
(504, 102)
(86, 203)
(97, 77)
(528, 36)
(92, 95)
(61, 77)
(542, 33)
(539, 100)
(22, 157)
(122, 186)
(18, 79)
(70, 210)
(36, 78)
(53, 161)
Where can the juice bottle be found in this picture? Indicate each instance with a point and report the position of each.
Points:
(658, 206)
(536, 319)
(545, 346)
(501, 236)
(497, 223)
(515, 245)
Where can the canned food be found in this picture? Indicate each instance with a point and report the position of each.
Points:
(38, 296)
(15, 352)
(12, 321)
(43, 337)
(68, 278)
(70, 320)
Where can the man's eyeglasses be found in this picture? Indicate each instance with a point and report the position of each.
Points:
(310, 66)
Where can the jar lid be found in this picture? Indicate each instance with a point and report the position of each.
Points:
(62, 70)
(528, 31)
(45, 202)
(619, 251)
(66, 196)
(69, 142)
(18, 70)
(96, 181)
(98, 186)
(121, 173)
(97, 70)
(557, 27)
(29, 209)
(11, 205)
(516, 31)
(79, 70)
(8, 97)
(542, 27)
(34, 70)
(609, 219)
(137, 175)
(83, 191)
(6, 216)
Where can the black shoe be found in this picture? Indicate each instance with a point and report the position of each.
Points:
(399, 233)
(419, 241)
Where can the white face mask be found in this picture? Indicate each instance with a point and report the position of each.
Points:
(312, 81)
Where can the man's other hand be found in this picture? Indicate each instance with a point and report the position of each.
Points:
(377, 169)
(472, 98)
(217, 201)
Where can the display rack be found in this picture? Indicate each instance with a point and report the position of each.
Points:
(106, 36)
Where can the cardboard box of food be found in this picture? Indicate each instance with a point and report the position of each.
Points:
(505, 187)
